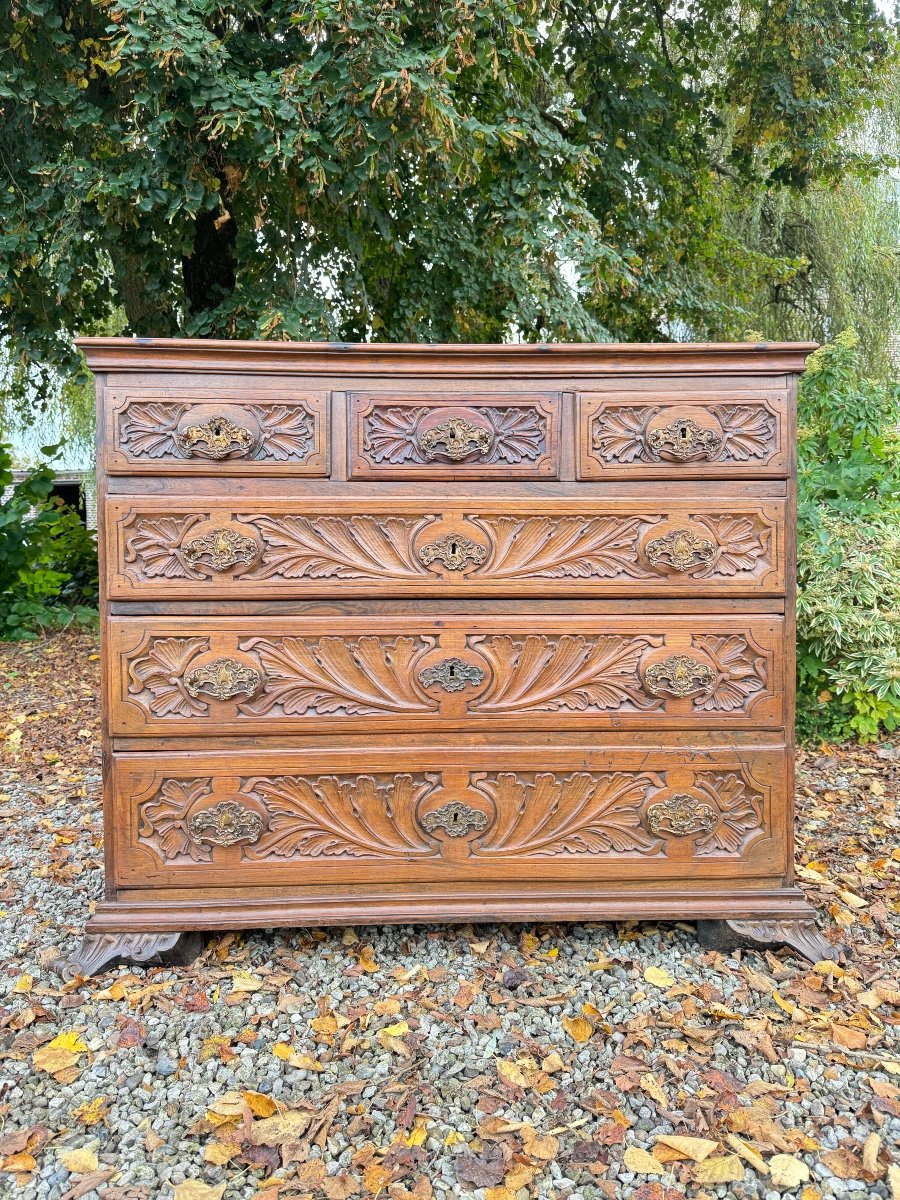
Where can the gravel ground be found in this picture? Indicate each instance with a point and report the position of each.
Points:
(495, 1062)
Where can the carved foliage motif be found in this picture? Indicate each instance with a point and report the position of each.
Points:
(360, 816)
(151, 430)
(160, 672)
(335, 675)
(740, 809)
(163, 820)
(381, 548)
(541, 814)
(535, 814)
(391, 435)
(620, 434)
(741, 672)
(546, 674)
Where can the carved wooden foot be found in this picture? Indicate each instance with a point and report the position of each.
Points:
(802, 935)
(99, 950)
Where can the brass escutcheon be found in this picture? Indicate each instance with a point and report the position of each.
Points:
(216, 438)
(456, 819)
(679, 676)
(459, 438)
(222, 679)
(681, 816)
(452, 674)
(220, 549)
(681, 549)
(226, 824)
(454, 551)
(683, 438)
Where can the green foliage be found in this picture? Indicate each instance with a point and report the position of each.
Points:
(48, 560)
(848, 548)
(460, 170)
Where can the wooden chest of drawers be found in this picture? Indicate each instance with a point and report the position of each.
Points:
(418, 633)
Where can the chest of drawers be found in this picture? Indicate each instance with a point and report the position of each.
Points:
(445, 633)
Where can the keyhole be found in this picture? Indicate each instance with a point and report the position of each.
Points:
(456, 820)
(453, 547)
(452, 671)
(683, 433)
(217, 429)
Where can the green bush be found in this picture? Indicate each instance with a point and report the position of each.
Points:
(848, 552)
(48, 560)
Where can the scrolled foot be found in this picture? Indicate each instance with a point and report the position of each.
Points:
(100, 950)
(802, 935)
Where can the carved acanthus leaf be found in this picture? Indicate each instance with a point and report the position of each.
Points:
(287, 431)
(742, 543)
(583, 813)
(357, 547)
(741, 672)
(359, 816)
(619, 433)
(740, 806)
(563, 547)
(538, 673)
(153, 544)
(339, 675)
(160, 672)
(149, 429)
(162, 821)
(391, 434)
(749, 430)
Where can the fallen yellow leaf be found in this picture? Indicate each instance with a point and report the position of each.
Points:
(727, 1169)
(511, 1072)
(220, 1153)
(80, 1161)
(260, 1104)
(658, 977)
(691, 1147)
(578, 1029)
(59, 1054)
(24, 984)
(536, 1145)
(787, 1171)
(92, 1112)
(195, 1189)
(642, 1163)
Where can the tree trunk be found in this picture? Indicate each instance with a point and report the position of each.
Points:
(208, 271)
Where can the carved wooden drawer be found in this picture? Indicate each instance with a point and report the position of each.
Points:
(464, 436)
(224, 676)
(400, 633)
(214, 431)
(652, 436)
(647, 546)
(446, 815)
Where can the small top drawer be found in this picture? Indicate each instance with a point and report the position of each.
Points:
(454, 436)
(216, 431)
(719, 435)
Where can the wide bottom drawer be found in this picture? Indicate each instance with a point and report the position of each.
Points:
(387, 814)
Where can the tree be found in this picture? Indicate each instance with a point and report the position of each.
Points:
(465, 170)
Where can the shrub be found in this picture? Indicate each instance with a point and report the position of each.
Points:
(848, 552)
(48, 560)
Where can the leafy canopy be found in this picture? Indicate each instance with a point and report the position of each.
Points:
(454, 169)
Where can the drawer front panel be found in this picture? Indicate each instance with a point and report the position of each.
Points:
(160, 548)
(638, 436)
(207, 431)
(224, 676)
(464, 436)
(481, 813)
